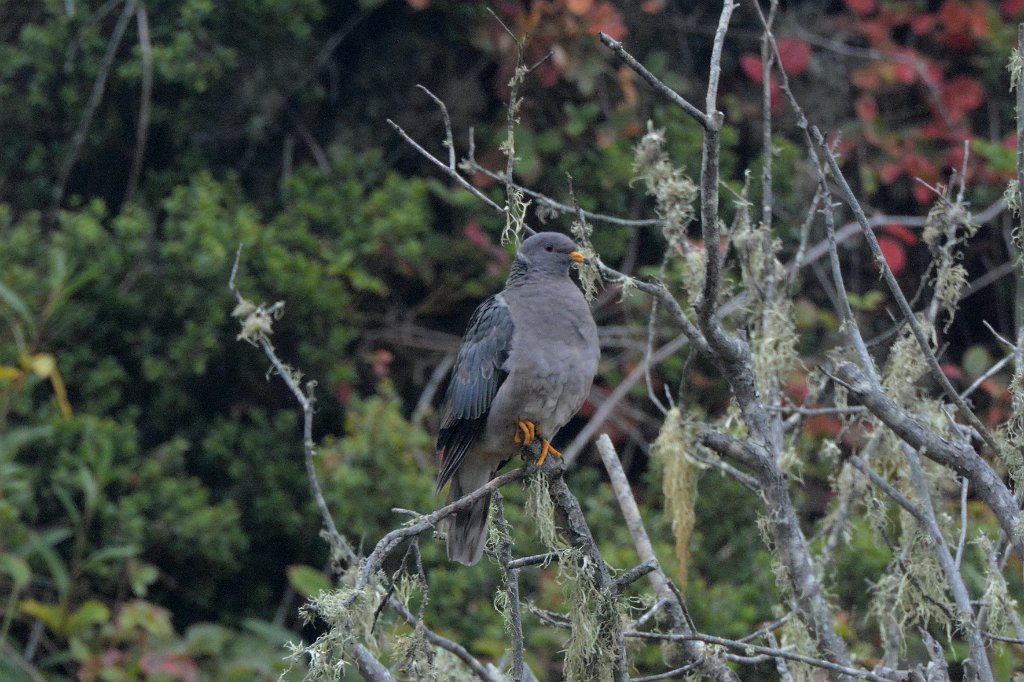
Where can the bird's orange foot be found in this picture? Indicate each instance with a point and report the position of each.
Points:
(526, 432)
(547, 449)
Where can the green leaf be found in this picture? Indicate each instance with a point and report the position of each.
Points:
(268, 631)
(18, 569)
(207, 639)
(307, 581)
(141, 577)
(866, 302)
(115, 553)
(145, 616)
(15, 303)
(15, 438)
(50, 615)
(43, 546)
(92, 612)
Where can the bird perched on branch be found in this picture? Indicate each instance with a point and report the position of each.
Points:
(525, 368)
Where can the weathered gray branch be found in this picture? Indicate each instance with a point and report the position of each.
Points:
(958, 456)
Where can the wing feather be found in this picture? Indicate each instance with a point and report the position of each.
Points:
(478, 373)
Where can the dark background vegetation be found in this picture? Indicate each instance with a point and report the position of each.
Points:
(155, 518)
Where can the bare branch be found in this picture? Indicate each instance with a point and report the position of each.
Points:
(659, 87)
(99, 86)
(511, 578)
(449, 141)
(748, 648)
(145, 100)
(368, 665)
(392, 540)
(901, 301)
(988, 485)
(709, 666)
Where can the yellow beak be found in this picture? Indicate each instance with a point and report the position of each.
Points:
(579, 257)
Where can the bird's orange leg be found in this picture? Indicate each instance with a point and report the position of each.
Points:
(548, 448)
(526, 433)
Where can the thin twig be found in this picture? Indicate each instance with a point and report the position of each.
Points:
(393, 539)
(659, 87)
(748, 648)
(964, 485)
(99, 86)
(369, 667)
(145, 101)
(449, 140)
(511, 579)
(674, 605)
(959, 457)
(901, 301)
(535, 560)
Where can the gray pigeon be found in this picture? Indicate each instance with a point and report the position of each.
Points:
(525, 368)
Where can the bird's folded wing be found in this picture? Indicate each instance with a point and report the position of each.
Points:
(478, 373)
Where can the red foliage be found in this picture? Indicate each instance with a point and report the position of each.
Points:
(866, 107)
(895, 254)
(963, 24)
(902, 233)
(862, 7)
(751, 65)
(961, 95)
(795, 55)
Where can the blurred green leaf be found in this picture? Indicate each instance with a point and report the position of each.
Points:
(307, 581)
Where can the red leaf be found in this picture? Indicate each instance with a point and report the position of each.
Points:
(906, 71)
(795, 55)
(877, 32)
(604, 18)
(861, 8)
(903, 233)
(962, 94)
(751, 65)
(890, 173)
(1010, 8)
(895, 254)
(866, 107)
(579, 7)
(952, 371)
(922, 194)
(923, 24)
(823, 425)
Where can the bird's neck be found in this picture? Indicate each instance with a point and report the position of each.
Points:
(522, 272)
(517, 274)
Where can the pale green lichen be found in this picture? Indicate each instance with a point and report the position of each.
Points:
(794, 636)
(349, 619)
(541, 509)
(595, 616)
(590, 274)
(996, 599)
(1016, 67)
(674, 192)
(913, 590)
(679, 483)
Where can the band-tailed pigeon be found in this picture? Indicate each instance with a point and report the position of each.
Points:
(525, 367)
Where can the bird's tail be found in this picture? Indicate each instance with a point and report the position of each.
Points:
(467, 529)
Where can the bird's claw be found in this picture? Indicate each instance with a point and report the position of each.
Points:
(526, 432)
(547, 449)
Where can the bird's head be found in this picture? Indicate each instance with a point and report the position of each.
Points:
(549, 252)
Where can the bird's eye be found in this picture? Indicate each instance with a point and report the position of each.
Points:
(549, 248)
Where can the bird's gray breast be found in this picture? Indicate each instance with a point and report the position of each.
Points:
(553, 357)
